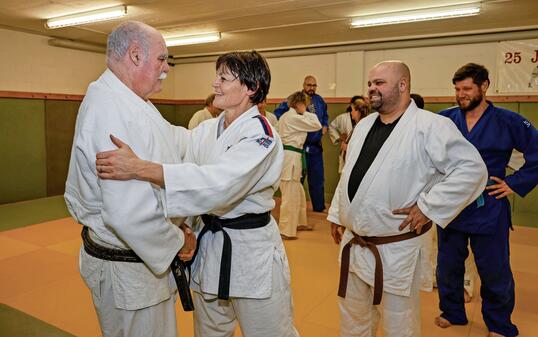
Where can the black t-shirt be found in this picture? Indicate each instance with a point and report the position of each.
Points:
(375, 139)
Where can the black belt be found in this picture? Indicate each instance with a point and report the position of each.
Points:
(178, 267)
(215, 224)
(104, 253)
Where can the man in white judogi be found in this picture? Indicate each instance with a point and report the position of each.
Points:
(131, 299)
(231, 171)
(294, 125)
(268, 114)
(339, 130)
(342, 126)
(405, 167)
(209, 111)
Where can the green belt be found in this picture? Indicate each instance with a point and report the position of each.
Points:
(303, 158)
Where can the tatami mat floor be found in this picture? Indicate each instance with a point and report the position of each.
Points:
(39, 276)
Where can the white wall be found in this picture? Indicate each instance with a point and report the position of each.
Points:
(432, 68)
(345, 74)
(27, 63)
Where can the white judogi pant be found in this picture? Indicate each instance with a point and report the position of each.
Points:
(268, 317)
(155, 321)
(292, 208)
(359, 317)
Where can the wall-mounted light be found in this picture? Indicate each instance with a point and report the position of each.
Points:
(424, 14)
(87, 17)
(192, 39)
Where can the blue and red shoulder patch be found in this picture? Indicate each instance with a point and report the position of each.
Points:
(268, 139)
(265, 125)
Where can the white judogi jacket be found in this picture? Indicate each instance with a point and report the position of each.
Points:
(293, 129)
(126, 214)
(341, 124)
(272, 119)
(230, 175)
(198, 117)
(425, 160)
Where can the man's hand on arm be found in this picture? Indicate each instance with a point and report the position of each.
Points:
(500, 189)
(123, 164)
(336, 232)
(415, 218)
(186, 252)
(324, 130)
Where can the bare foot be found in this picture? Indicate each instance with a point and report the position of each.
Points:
(441, 322)
(466, 297)
(494, 334)
(305, 228)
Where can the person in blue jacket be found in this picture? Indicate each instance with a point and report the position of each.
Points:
(495, 132)
(312, 145)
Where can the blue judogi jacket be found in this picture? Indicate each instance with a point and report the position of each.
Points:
(317, 105)
(495, 135)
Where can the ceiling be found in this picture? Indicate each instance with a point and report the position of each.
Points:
(266, 24)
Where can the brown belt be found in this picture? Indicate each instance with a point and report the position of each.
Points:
(371, 243)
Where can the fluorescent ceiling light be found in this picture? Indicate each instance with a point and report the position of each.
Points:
(192, 39)
(87, 17)
(425, 14)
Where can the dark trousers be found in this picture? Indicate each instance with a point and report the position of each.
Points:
(316, 180)
(492, 257)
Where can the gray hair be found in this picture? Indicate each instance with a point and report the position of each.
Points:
(123, 36)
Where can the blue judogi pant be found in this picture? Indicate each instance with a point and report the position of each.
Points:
(316, 180)
(492, 257)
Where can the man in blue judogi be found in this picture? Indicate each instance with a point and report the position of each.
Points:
(495, 132)
(312, 145)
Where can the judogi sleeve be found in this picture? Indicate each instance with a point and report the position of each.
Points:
(334, 212)
(192, 189)
(182, 138)
(464, 173)
(130, 208)
(335, 129)
(281, 109)
(325, 115)
(526, 141)
(306, 122)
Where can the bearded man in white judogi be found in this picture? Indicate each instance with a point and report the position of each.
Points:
(404, 167)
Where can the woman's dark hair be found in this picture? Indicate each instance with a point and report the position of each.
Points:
(251, 69)
(352, 100)
(362, 106)
(477, 72)
(419, 101)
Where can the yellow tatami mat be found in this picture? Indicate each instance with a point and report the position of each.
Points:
(39, 276)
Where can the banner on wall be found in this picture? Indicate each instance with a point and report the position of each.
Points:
(517, 66)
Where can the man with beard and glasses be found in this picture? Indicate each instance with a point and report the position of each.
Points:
(405, 167)
(485, 223)
(312, 146)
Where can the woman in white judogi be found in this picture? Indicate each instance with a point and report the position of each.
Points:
(294, 126)
(342, 126)
(424, 170)
(234, 170)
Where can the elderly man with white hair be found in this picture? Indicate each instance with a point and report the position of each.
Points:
(129, 243)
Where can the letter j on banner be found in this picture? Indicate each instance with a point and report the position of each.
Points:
(517, 66)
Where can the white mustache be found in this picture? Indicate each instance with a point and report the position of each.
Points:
(163, 76)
